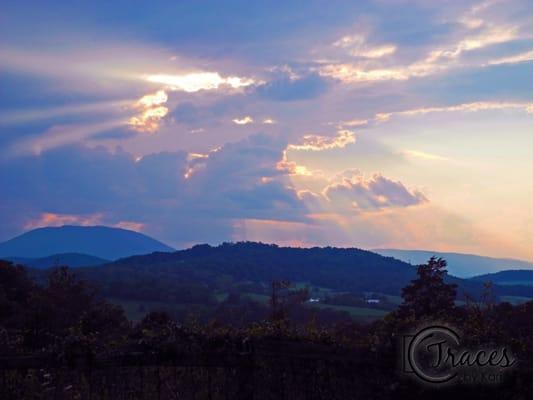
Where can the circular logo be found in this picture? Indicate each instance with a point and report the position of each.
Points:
(426, 354)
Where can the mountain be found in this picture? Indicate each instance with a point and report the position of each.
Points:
(201, 273)
(509, 277)
(73, 260)
(461, 265)
(98, 241)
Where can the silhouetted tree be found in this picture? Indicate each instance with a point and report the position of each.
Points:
(428, 295)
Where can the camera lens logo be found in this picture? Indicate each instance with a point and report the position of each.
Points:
(434, 355)
(418, 351)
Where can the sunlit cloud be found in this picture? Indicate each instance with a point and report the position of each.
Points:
(130, 225)
(477, 106)
(194, 156)
(349, 41)
(292, 168)
(152, 100)
(358, 193)
(243, 121)
(376, 52)
(465, 107)
(487, 37)
(424, 156)
(197, 81)
(269, 121)
(197, 162)
(56, 219)
(343, 138)
(357, 46)
(516, 59)
(53, 219)
(471, 22)
(354, 122)
(437, 59)
(354, 73)
(151, 111)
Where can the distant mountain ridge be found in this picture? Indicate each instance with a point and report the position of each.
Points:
(73, 260)
(98, 241)
(508, 277)
(460, 265)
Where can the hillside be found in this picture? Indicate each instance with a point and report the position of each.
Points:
(73, 260)
(200, 273)
(510, 277)
(461, 265)
(98, 241)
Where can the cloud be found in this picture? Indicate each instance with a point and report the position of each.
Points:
(77, 184)
(194, 82)
(464, 107)
(354, 122)
(357, 46)
(487, 37)
(359, 194)
(476, 106)
(243, 121)
(151, 112)
(343, 138)
(438, 58)
(186, 113)
(424, 156)
(292, 87)
(516, 59)
(52, 219)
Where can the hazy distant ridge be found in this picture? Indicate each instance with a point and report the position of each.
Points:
(98, 241)
(461, 265)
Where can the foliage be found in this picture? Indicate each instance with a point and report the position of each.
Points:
(428, 294)
(67, 319)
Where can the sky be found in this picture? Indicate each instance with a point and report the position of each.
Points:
(372, 124)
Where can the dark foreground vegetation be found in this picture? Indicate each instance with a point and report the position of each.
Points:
(60, 339)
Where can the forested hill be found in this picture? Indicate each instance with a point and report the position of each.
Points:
(343, 269)
(203, 270)
(509, 277)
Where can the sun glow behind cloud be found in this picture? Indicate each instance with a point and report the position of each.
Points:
(243, 121)
(151, 106)
(194, 82)
(151, 110)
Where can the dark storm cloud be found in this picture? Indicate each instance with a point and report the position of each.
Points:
(77, 180)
